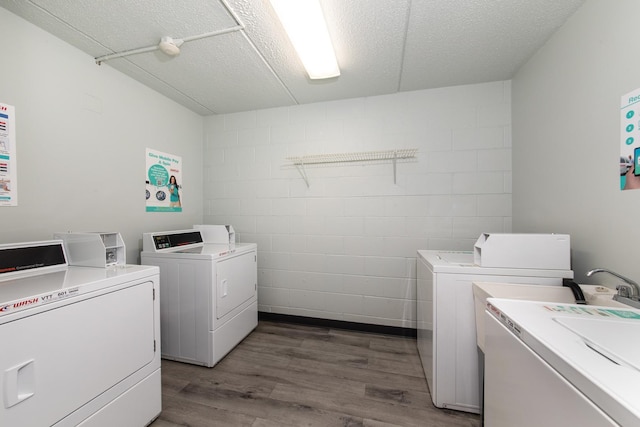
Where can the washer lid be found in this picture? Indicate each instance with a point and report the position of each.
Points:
(621, 347)
(24, 293)
(462, 262)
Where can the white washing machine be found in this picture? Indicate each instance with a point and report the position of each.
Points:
(551, 364)
(209, 294)
(80, 345)
(446, 322)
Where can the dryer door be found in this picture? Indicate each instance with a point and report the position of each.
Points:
(236, 280)
(54, 362)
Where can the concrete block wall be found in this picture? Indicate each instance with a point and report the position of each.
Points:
(344, 248)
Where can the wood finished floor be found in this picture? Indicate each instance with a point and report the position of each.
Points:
(297, 375)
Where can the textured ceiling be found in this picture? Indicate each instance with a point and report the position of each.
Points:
(383, 46)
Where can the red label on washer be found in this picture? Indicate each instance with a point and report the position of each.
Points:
(35, 301)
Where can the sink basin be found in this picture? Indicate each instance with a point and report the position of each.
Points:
(600, 295)
(595, 295)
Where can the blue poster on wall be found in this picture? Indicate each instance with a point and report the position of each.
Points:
(163, 178)
(630, 141)
(8, 162)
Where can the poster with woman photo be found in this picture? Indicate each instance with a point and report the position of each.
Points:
(163, 181)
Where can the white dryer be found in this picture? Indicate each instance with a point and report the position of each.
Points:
(209, 294)
(78, 343)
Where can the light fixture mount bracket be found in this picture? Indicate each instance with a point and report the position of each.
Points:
(169, 46)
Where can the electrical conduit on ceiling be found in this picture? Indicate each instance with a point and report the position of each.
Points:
(171, 47)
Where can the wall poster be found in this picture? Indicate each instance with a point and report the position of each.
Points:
(8, 161)
(630, 141)
(163, 180)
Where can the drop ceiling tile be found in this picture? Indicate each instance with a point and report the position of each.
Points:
(222, 73)
(129, 24)
(382, 46)
(457, 42)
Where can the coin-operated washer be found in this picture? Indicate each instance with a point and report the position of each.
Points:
(548, 363)
(80, 345)
(208, 301)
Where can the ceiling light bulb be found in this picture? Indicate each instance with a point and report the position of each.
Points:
(304, 23)
(169, 46)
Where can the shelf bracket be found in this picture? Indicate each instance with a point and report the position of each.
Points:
(303, 173)
(395, 158)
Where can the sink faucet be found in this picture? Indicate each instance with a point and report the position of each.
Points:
(629, 288)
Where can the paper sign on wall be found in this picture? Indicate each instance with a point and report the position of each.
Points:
(8, 161)
(630, 141)
(164, 175)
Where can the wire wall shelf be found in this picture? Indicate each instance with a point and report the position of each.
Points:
(363, 156)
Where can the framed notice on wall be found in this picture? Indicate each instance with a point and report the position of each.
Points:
(164, 182)
(630, 141)
(8, 160)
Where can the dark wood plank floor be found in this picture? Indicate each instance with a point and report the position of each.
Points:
(297, 375)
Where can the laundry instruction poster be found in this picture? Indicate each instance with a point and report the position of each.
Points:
(8, 161)
(630, 141)
(164, 182)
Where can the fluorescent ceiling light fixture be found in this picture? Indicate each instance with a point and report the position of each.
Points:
(304, 23)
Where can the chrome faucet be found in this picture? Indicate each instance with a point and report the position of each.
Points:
(629, 289)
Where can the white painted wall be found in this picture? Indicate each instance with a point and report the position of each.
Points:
(342, 249)
(345, 247)
(566, 138)
(81, 136)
